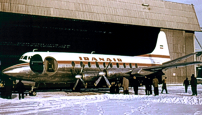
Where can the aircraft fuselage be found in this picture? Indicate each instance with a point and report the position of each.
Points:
(65, 66)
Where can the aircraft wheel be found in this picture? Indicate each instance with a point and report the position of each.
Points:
(32, 93)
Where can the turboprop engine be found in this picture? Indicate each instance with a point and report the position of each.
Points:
(90, 75)
(49, 66)
(118, 72)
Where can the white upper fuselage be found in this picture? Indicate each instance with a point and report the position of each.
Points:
(159, 55)
(141, 60)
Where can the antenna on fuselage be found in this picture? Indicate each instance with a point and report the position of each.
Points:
(34, 49)
(92, 52)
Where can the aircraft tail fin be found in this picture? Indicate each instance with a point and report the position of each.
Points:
(161, 45)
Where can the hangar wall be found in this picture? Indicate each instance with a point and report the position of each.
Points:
(179, 21)
(180, 43)
(155, 13)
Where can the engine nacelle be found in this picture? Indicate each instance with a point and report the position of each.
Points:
(47, 66)
(90, 76)
(118, 72)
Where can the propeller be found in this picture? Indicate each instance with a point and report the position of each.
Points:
(103, 74)
(79, 77)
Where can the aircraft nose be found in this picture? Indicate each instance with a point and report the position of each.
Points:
(16, 70)
(9, 71)
(6, 71)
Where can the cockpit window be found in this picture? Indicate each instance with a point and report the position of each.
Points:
(21, 57)
(29, 57)
(25, 58)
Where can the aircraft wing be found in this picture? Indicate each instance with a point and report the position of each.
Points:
(167, 65)
(183, 57)
(153, 69)
(171, 65)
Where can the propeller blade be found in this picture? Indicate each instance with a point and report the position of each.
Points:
(83, 82)
(97, 81)
(82, 68)
(76, 84)
(108, 65)
(107, 81)
(97, 65)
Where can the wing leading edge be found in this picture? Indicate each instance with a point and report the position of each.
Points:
(183, 57)
(167, 65)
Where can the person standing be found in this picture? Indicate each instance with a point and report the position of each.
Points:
(125, 85)
(155, 84)
(149, 86)
(193, 85)
(164, 86)
(8, 87)
(147, 83)
(135, 83)
(186, 84)
(21, 88)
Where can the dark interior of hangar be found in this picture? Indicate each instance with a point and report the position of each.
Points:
(21, 33)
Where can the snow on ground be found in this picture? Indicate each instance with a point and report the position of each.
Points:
(102, 103)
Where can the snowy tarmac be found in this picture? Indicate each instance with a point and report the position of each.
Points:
(102, 103)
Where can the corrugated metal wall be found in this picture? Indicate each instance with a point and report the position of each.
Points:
(180, 43)
(175, 18)
(158, 13)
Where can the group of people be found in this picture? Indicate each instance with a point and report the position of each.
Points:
(135, 83)
(8, 87)
(148, 85)
(149, 82)
(193, 84)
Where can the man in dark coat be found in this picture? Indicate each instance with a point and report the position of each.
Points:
(155, 84)
(186, 84)
(193, 85)
(148, 84)
(8, 88)
(135, 83)
(164, 85)
(20, 88)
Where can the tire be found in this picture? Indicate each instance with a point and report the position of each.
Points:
(33, 93)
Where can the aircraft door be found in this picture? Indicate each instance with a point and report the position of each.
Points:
(36, 64)
(51, 65)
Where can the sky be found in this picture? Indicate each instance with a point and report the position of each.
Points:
(197, 5)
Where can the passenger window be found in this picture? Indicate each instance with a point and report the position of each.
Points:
(130, 65)
(117, 64)
(97, 64)
(89, 64)
(104, 64)
(111, 65)
(124, 65)
(136, 66)
(73, 63)
(81, 64)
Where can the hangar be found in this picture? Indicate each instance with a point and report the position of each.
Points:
(122, 27)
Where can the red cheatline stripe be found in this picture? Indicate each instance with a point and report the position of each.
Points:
(101, 63)
(153, 55)
(93, 63)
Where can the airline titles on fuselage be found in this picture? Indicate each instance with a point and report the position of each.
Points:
(100, 59)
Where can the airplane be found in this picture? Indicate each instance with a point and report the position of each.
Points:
(56, 67)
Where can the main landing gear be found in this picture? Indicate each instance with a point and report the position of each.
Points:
(114, 89)
(32, 92)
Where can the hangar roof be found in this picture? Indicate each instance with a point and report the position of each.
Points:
(155, 13)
